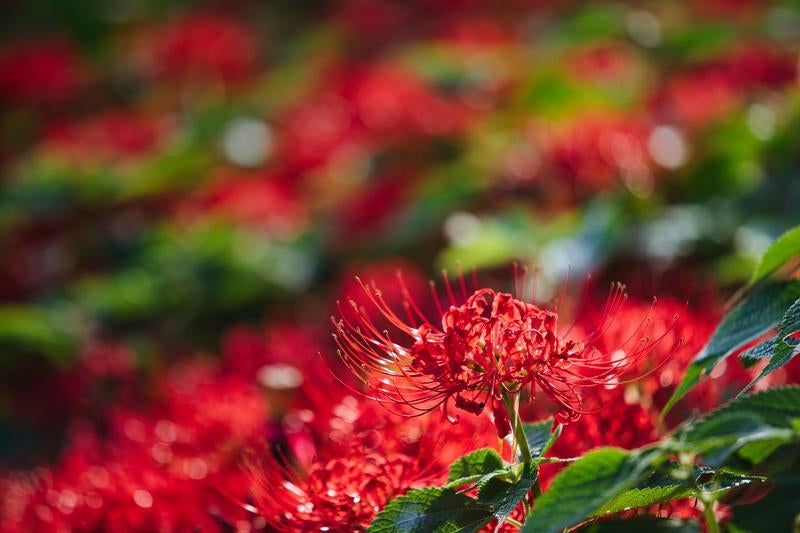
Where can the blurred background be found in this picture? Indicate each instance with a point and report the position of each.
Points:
(200, 181)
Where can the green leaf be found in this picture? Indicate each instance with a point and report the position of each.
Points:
(478, 463)
(673, 483)
(758, 451)
(503, 497)
(656, 488)
(758, 352)
(431, 509)
(29, 329)
(776, 407)
(778, 254)
(540, 440)
(785, 348)
(790, 323)
(651, 524)
(582, 488)
(724, 480)
(690, 378)
(765, 416)
(724, 425)
(759, 313)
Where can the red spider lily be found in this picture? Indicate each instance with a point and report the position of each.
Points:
(167, 469)
(666, 365)
(629, 418)
(630, 415)
(203, 46)
(341, 494)
(115, 135)
(362, 110)
(320, 414)
(392, 101)
(383, 274)
(319, 424)
(708, 91)
(594, 152)
(624, 422)
(690, 333)
(40, 72)
(491, 346)
(349, 457)
(365, 457)
(257, 199)
(245, 351)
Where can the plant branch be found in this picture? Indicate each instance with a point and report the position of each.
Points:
(514, 523)
(708, 513)
(519, 431)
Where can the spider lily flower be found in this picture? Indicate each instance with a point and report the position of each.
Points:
(342, 493)
(491, 346)
(356, 469)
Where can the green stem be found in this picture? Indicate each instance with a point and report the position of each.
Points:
(519, 431)
(510, 401)
(514, 523)
(549, 460)
(708, 513)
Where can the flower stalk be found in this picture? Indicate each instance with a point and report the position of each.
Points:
(708, 514)
(511, 402)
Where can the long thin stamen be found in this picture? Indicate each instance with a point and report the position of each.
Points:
(493, 343)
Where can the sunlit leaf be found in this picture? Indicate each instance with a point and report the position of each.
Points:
(785, 247)
(759, 313)
(504, 497)
(477, 463)
(582, 488)
(763, 417)
(431, 509)
(784, 346)
(540, 438)
(672, 483)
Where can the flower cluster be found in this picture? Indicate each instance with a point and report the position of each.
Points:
(187, 190)
(491, 346)
(160, 469)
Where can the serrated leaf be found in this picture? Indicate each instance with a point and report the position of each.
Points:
(477, 463)
(780, 252)
(503, 497)
(759, 313)
(540, 439)
(756, 452)
(728, 424)
(670, 483)
(651, 524)
(765, 416)
(790, 323)
(784, 347)
(758, 352)
(656, 488)
(724, 480)
(583, 487)
(776, 407)
(431, 509)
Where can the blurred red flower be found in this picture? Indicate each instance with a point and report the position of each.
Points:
(47, 71)
(362, 458)
(115, 135)
(203, 46)
(596, 152)
(168, 468)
